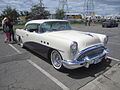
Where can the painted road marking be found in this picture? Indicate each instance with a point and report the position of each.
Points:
(48, 75)
(15, 49)
(43, 71)
(113, 58)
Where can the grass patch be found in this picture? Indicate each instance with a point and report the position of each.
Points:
(1, 31)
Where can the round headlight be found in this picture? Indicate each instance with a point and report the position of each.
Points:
(74, 47)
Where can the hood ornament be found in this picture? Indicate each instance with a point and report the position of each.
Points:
(90, 35)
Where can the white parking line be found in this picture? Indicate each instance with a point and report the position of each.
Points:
(44, 72)
(48, 75)
(15, 49)
(113, 58)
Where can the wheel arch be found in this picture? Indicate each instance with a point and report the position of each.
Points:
(50, 50)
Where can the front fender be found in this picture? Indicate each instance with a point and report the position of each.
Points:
(61, 45)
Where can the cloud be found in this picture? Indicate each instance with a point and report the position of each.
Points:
(101, 6)
(18, 4)
(110, 2)
(107, 6)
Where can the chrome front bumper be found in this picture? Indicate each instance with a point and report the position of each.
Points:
(72, 64)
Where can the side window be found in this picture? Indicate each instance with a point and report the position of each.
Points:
(32, 27)
(45, 27)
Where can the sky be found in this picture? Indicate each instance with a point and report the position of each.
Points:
(102, 7)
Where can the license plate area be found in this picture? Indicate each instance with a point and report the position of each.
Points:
(88, 63)
(97, 60)
(94, 61)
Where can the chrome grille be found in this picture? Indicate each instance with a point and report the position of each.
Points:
(91, 53)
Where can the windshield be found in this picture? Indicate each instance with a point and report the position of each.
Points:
(110, 20)
(55, 26)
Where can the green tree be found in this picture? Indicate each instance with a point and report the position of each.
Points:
(8, 11)
(60, 14)
(24, 13)
(38, 12)
(21, 13)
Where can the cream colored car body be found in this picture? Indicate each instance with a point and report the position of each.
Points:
(61, 40)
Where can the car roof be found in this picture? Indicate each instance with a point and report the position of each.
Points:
(110, 20)
(42, 21)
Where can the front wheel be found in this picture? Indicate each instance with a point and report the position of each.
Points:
(56, 60)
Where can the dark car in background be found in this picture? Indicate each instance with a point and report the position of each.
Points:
(109, 23)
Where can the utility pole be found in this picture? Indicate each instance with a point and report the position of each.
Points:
(89, 7)
(41, 3)
(63, 4)
(38, 9)
(119, 10)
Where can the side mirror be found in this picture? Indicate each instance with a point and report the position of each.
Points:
(32, 30)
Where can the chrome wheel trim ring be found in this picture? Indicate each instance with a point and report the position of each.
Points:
(56, 59)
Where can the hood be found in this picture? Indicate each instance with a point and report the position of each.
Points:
(84, 39)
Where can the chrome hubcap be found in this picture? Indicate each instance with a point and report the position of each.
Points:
(56, 59)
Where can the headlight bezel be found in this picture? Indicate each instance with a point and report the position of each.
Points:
(74, 48)
(106, 40)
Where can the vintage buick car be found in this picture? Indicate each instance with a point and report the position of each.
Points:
(66, 48)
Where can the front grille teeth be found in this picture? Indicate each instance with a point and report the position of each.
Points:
(91, 53)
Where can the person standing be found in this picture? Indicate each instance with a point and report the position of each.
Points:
(86, 21)
(11, 32)
(6, 29)
(89, 21)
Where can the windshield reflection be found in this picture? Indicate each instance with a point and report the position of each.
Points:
(55, 26)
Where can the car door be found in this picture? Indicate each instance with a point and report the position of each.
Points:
(36, 41)
(29, 35)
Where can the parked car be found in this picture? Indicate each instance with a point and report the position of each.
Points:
(66, 48)
(110, 23)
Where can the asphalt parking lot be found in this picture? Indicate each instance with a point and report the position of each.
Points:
(18, 71)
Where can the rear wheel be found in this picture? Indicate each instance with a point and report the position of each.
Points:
(102, 25)
(20, 42)
(56, 60)
(117, 25)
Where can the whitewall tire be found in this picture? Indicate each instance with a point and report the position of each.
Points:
(56, 60)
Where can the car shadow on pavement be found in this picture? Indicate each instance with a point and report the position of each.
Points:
(92, 71)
